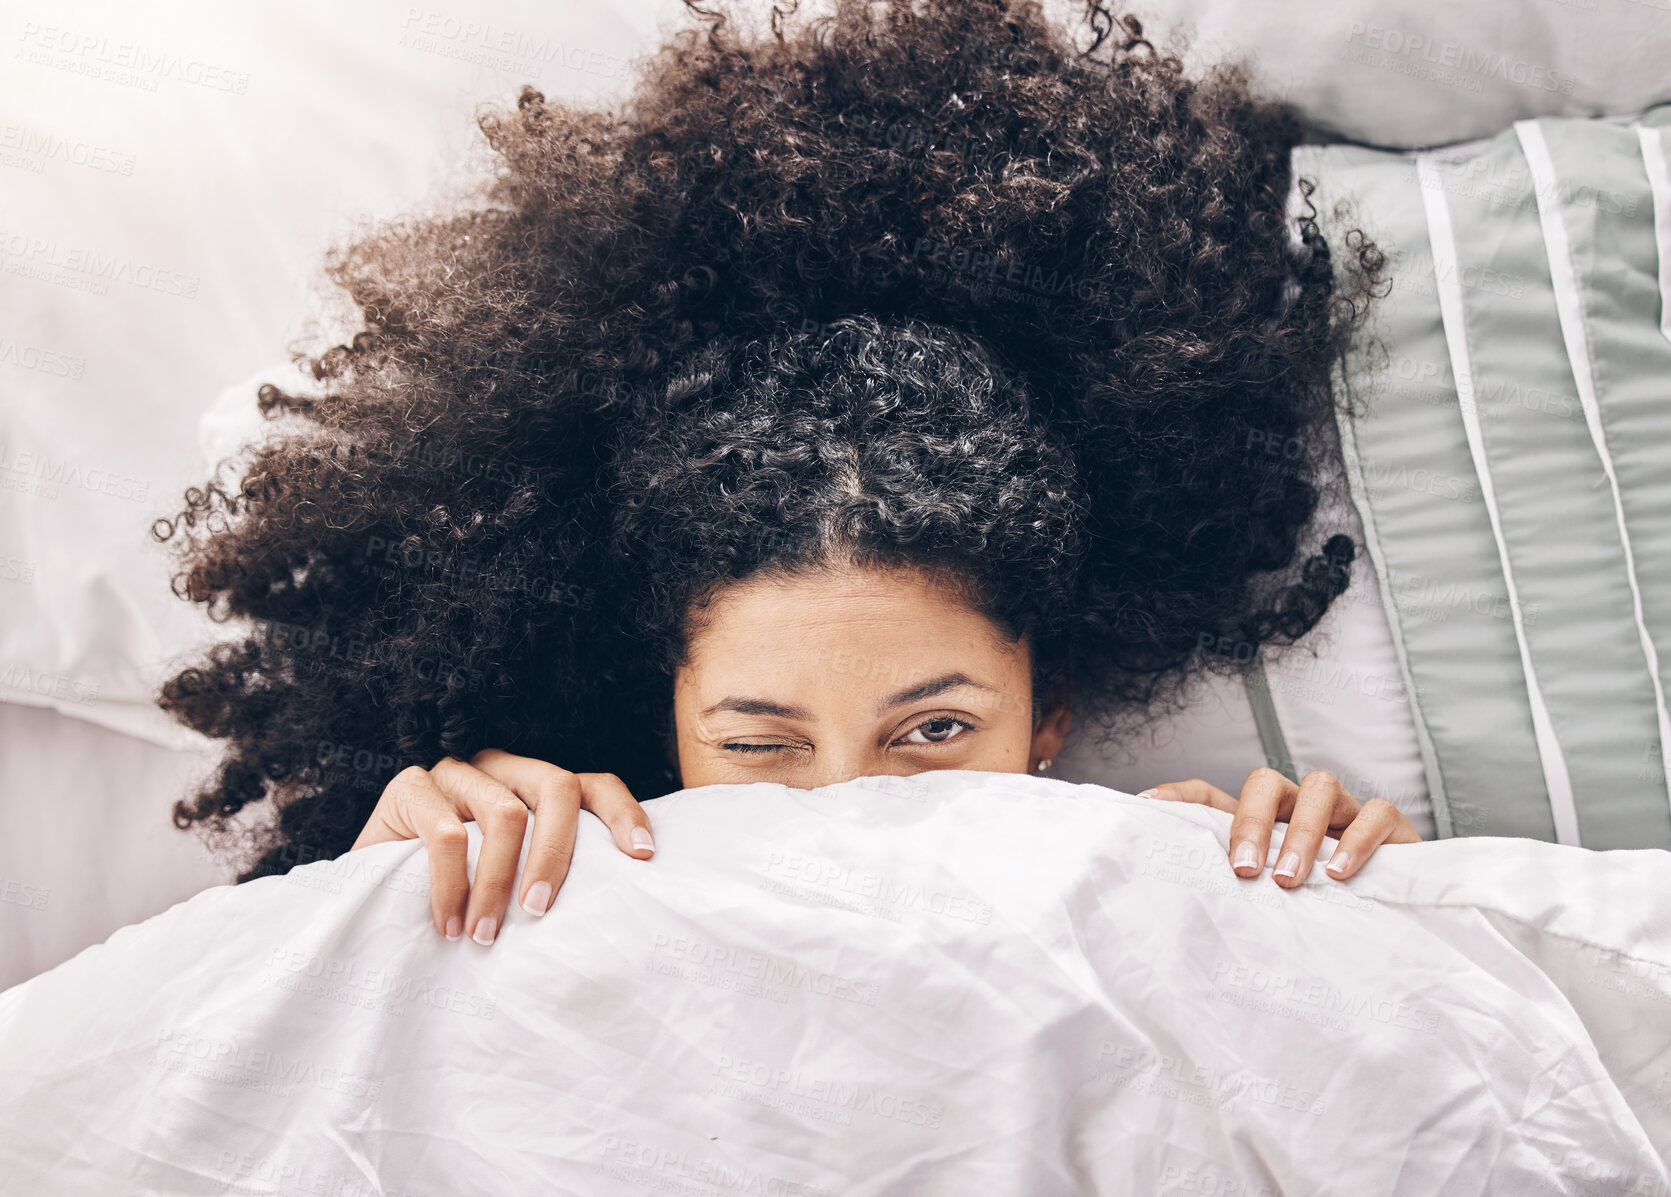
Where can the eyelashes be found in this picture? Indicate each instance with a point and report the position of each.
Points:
(961, 727)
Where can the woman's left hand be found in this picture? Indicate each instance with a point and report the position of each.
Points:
(1318, 806)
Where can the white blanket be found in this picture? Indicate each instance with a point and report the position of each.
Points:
(957, 983)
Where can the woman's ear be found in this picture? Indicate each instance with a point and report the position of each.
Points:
(1052, 725)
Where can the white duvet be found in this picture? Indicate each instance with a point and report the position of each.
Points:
(956, 983)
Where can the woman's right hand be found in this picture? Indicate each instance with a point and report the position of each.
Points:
(499, 791)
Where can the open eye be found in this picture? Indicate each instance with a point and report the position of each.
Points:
(937, 730)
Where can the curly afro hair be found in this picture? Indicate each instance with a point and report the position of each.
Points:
(861, 442)
(909, 281)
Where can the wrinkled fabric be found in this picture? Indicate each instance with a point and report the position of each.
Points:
(954, 983)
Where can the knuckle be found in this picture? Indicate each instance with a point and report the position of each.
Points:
(450, 836)
(412, 775)
(491, 887)
(1265, 776)
(1320, 777)
(561, 786)
(1379, 810)
(1308, 829)
(506, 808)
(411, 786)
(441, 770)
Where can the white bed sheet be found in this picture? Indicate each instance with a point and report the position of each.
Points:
(953, 983)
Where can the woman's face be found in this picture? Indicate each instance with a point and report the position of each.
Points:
(815, 678)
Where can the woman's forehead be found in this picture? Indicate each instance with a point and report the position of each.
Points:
(887, 628)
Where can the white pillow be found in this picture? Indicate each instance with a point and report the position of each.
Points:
(1411, 73)
(89, 845)
(174, 180)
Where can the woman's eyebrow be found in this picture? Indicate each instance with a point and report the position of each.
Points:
(757, 706)
(928, 689)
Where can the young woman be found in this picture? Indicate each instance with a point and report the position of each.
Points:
(906, 336)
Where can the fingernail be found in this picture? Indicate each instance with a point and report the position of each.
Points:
(485, 930)
(1246, 856)
(1339, 862)
(538, 899)
(1287, 866)
(1155, 792)
(455, 928)
(641, 841)
(1147, 794)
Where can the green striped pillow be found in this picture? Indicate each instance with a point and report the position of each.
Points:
(1509, 454)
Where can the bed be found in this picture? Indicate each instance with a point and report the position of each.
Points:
(1501, 1003)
